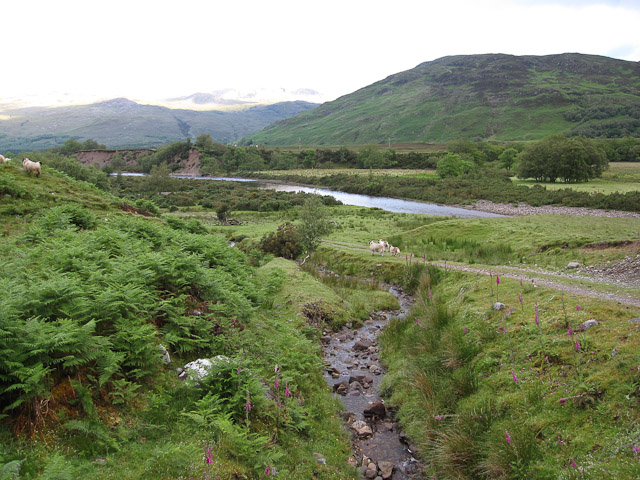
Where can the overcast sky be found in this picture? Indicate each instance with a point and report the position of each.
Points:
(156, 49)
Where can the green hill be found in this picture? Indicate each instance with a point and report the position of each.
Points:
(493, 96)
(121, 123)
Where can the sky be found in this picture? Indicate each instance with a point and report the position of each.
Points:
(79, 50)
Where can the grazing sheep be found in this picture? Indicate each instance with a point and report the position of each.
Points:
(30, 166)
(385, 243)
(4, 159)
(395, 251)
(376, 247)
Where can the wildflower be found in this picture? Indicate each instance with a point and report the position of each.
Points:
(563, 401)
(507, 437)
(577, 346)
(569, 331)
(497, 279)
(536, 309)
(429, 293)
(520, 298)
(573, 463)
(276, 369)
(276, 384)
(438, 417)
(247, 406)
(636, 449)
(513, 375)
(287, 392)
(464, 329)
(208, 456)
(578, 308)
(268, 470)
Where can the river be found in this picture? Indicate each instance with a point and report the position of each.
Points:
(384, 203)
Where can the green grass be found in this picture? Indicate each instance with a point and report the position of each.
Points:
(452, 372)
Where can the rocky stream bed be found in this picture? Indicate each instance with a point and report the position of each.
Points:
(353, 370)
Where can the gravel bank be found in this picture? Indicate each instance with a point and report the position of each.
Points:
(524, 209)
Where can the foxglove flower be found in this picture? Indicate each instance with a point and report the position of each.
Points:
(507, 437)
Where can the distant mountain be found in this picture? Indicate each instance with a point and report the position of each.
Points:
(122, 123)
(233, 98)
(493, 96)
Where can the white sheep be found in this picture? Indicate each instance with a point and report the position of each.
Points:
(30, 166)
(384, 243)
(4, 159)
(395, 251)
(376, 247)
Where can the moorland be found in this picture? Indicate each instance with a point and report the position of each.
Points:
(104, 275)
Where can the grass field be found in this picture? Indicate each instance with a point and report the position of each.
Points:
(321, 172)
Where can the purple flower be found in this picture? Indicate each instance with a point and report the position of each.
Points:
(569, 331)
(636, 449)
(578, 308)
(276, 384)
(573, 463)
(268, 470)
(563, 401)
(287, 392)
(507, 437)
(513, 375)
(520, 298)
(208, 456)
(497, 280)
(464, 329)
(577, 346)
(438, 417)
(536, 309)
(429, 292)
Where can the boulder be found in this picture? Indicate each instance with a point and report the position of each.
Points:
(362, 345)
(571, 265)
(166, 358)
(386, 469)
(589, 323)
(361, 428)
(194, 372)
(376, 409)
(498, 306)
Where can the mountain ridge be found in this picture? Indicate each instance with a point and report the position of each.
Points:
(123, 123)
(487, 96)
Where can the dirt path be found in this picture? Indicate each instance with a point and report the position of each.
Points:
(508, 272)
(537, 276)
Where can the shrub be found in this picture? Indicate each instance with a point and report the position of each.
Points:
(284, 242)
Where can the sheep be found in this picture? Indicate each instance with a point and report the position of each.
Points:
(4, 159)
(30, 166)
(395, 251)
(384, 243)
(376, 247)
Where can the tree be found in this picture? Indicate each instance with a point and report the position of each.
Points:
(204, 143)
(556, 156)
(508, 158)
(453, 166)
(315, 223)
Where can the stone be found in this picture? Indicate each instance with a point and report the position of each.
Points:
(635, 320)
(572, 265)
(357, 378)
(320, 458)
(386, 469)
(590, 323)
(375, 369)
(326, 340)
(352, 461)
(376, 409)
(362, 345)
(197, 370)
(371, 473)
(166, 358)
(341, 388)
(498, 306)
(355, 386)
(361, 428)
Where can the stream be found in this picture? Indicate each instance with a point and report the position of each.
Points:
(384, 203)
(353, 370)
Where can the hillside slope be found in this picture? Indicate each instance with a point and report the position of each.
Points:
(121, 123)
(492, 96)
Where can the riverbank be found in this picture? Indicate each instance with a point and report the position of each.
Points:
(522, 209)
